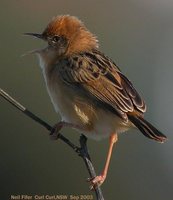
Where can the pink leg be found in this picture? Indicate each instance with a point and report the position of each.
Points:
(98, 180)
(58, 126)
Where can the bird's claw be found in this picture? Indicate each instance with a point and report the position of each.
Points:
(96, 181)
(55, 131)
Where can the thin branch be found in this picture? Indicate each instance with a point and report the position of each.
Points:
(82, 150)
(86, 157)
(35, 118)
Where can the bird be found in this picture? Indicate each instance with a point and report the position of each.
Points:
(87, 89)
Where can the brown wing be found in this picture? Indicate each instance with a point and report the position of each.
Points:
(102, 79)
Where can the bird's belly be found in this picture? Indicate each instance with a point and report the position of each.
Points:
(72, 108)
(106, 124)
(93, 121)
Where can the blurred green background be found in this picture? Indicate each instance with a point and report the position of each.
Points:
(138, 36)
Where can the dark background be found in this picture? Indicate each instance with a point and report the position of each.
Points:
(138, 36)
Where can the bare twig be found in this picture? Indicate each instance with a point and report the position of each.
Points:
(82, 150)
(86, 157)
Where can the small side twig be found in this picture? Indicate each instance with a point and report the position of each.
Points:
(82, 150)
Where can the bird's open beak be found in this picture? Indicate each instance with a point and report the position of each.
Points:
(37, 35)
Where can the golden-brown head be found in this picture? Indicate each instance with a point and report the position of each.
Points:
(68, 35)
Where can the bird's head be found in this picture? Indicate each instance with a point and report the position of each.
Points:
(67, 35)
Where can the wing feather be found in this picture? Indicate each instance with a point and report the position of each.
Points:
(102, 79)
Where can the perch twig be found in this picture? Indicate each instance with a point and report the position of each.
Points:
(82, 150)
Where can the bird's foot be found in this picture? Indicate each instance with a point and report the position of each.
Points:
(55, 130)
(58, 126)
(96, 181)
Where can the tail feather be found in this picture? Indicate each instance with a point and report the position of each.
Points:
(147, 129)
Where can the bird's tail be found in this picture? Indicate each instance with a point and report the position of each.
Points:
(147, 129)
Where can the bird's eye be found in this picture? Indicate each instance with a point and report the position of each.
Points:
(56, 38)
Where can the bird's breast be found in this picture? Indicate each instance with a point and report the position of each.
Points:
(66, 101)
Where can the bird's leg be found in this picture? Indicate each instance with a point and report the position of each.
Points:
(98, 180)
(58, 126)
